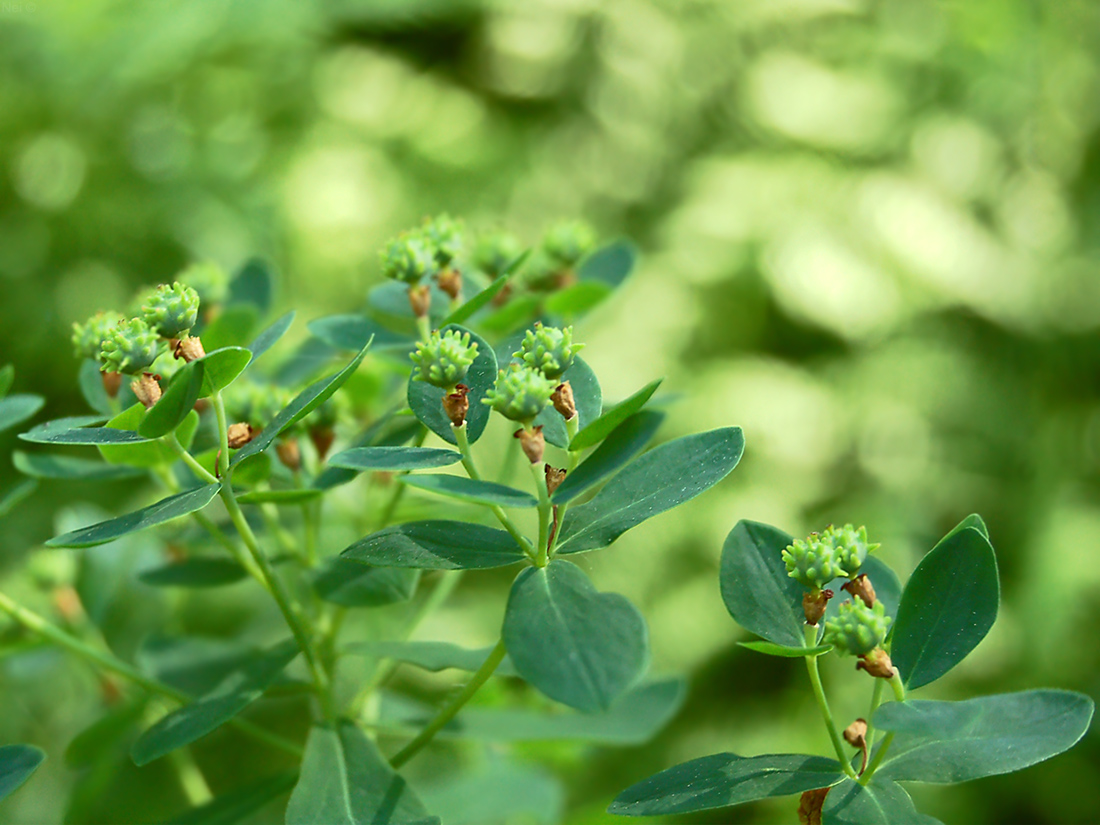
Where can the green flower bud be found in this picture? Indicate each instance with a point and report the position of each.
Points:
(857, 629)
(813, 563)
(129, 348)
(493, 252)
(444, 358)
(444, 236)
(569, 241)
(519, 394)
(851, 546)
(88, 337)
(209, 280)
(542, 273)
(172, 310)
(548, 349)
(408, 258)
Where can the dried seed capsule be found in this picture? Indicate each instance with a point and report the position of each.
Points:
(444, 358)
(519, 394)
(129, 348)
(172, 310)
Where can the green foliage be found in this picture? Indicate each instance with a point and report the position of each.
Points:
(17, 763)
(437, 545)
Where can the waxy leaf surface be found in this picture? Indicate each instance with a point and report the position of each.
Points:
(437, 545)
(625, 442)
(77, 430)
(352, 584)
(195, 572)
(270, 336)
(393, 459)
(471, 490)
(880, 802)
(51, 465)
(757, 591)
(15, 409)
(17, 763)
(602, 427)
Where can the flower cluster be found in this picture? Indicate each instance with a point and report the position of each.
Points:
(822, 557)
(548, 349)
(444, 358)
(857, 629)
(519, 393)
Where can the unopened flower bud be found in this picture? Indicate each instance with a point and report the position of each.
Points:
(814, 603)
(851, 546)
(532, 442)
(112, 381)
(129, 348)
(240, 434)
(554, 478)
(877, 663)
(813, 563)
(420, 300)
(495, 250)
(519, 394)
(857, 628)
(563, 400)
(146, 389)
(172, 310)
(456, 404)
(444, 237)
(569, 241)
(408, 258)
(88, 337)
(548, 349)
(444, 358)
(861, 588)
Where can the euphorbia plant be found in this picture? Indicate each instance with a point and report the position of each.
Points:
(181, 400)
(789, 592)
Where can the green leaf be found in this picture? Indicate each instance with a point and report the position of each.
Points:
(588, 398)
(172, 507)
(49, 465)
(149, 454)
(577, 299)
(880, 802)
(392, 459)
(947, 607)
(195, 572)
(472, 490)
(518, 312)
(303, 404)
(725, 779)
(633, 719)
(433, 656)
(352, 332)
(233, 327)
(602, 427)
(663, 478)
(236, 805)
(346, 781)
(176, 402)
(625, 442)
(7, 376)
(280, 496)
(76, 430)
(427, 401)
(15, 494)
(221, 368)
(193, 664)
(580, 647)
(437, 545)
(757, 591)
(610, 265)
(103, 736)
(352, 584)
(254, 285)
(782, 651)
(390, 430)
(958, 741)
(17, 763)
(91, 387)
(15, 409)
(193, 721)
(270, 336)
(500, 793)
(468, 309)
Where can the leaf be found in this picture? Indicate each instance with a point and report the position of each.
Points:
(390, 431)
(303, 404)
(193, 664)
(392, 299)
(663, 478)
(625, 442)
(633, 718)
(346, 781)
(725, 779)
(472, 490)
(580, 647)
(176, 402)
(7, 376)
(254, 284)
(193, 721)
(500, 793)
(352, 584)
(786, 652)
(15, 409)
(221, 368)
(49, 465)
(437, 545)
(602, 427)
(167, 509)
(577, 299)
(279, 496)
(91, 387)
(427, 401)
(433, 656)
(958, 741)
(947, 607)
(234, 806)
(587, 396)
(517, 312)
(16, 494)
(392, 459)
(757, 591)
(352, 332)
(270, 336)
(233, 327)
(102, 737)
(195, 572)
(149, 454)
(76, 430)
(17, 763)
(610, 265)
(880, 802)
(468, 309)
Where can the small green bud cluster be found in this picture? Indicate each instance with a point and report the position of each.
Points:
(852, 546)
(519, 393)
(494, 251)
(88, 337)
(172, 310)
(824, 556)
(130, 347)
(857, 628)
(445, 237)
(424, 251)
(443, 359)
(548, 349)
(566, 242)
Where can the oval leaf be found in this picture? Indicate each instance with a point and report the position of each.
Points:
(472, 490)
(17, 763)
(959, 741)
(602, 427)
(880, 802)
(270, 336)
(46, 465)
(176, 402)
(725, 779)
(578, 646)
(437, 545)
(393, 459)
(625, 442)
(427, 401)
(76, 430)
(172, 507)
(197, 572)
(663, 478)
(757, 591)
(947, 607)
(15, 409)
(352, 584)
(150, 454)
(611, 264)
(221, 367)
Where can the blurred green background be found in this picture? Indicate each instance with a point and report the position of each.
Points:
(870, 234)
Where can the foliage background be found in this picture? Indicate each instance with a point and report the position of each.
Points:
(870, 228)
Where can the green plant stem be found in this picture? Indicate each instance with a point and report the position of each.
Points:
(110, 663)
(542, 549)
(880, 754)
(173, 444)
(448, 713)
(876, 699)
(223, 430)
(423, 328)
(471, 469)
(572, 425)
(823, 704)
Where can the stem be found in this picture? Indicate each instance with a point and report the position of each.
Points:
(572, 425)
(223, 428)
(823, 704)
(876, 699)
(471, 469)
(543, 547)
(36, 624)
(880, 754)
(449, 711)
(173, 444)
(423, 328)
